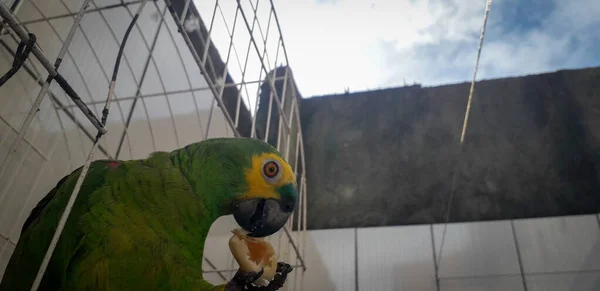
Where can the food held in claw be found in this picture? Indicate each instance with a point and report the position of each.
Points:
(254, 254)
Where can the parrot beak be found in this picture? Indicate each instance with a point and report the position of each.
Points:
(263, 217)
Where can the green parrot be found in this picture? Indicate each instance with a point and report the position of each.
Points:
(142, 224)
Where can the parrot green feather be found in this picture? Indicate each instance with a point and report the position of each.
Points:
(136, 225)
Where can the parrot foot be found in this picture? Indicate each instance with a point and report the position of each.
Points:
(242, 279)
(283, 270)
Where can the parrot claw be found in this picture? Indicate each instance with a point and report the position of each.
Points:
(256, 277)
(242, 279)
(283, 270)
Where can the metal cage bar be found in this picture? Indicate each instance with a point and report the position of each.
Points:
(224, 84)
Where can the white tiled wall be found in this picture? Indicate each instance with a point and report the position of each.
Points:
(559, 244)
(476, 249)
(395, 258)
(333, 250)
(504, 283)
(555, 254)
(580, 281)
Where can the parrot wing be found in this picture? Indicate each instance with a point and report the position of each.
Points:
(135, 226)
(37, 210)
(36, 234)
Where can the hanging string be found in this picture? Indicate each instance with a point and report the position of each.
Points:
(464, 130)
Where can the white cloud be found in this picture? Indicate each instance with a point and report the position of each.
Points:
(562, 40)
(360, 44)
(357, 44)
(338, 45)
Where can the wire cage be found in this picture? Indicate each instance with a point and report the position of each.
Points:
(189, 71)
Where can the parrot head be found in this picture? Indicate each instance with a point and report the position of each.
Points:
(270, 195)
(245, 177)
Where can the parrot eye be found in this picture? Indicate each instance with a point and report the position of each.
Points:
(271, 170)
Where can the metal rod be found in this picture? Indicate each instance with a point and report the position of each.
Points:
(237, 57)
(184, 13)
(298, 222)
(238, 104)
(23, 35)
(281, 114)
(210, 115)
(270, 95)
(208, 35)
(215, 270)
(300, 202)
(10, 181)
(99, 63)
(304, 213)
(271, 82)
(289, 137)
(213, 89)
(7, 239)
(269, 110)
(35, 148)
(226, 68)
(139, 89)
(291, 240)
(127, 63)
(173, 92)
(82, 175)
(63, 221)
(160, 78)
(9, 17)
(297, 114)
(295, 90)
(263, 36)
(68, 54)
(239, 94)
(297, 152)
(269, 114)
(36, 181)
(14, 8)
(54, 98)
(270, 100)
(279, 29)
(98, 9)
(187, 75)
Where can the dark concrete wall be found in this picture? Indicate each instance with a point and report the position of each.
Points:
(387, 157)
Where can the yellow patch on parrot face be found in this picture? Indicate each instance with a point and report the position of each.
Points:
(268, 172)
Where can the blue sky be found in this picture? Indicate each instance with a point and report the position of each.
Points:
(360, 44)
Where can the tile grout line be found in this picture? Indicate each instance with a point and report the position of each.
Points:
(515, 274)
(514, 232)
(563, 272)
(435, 266)
(356, 259)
